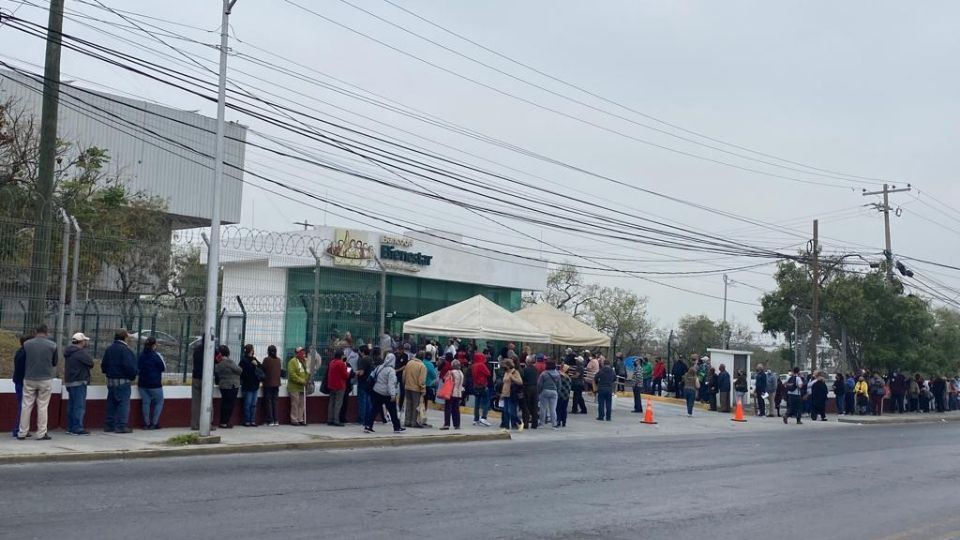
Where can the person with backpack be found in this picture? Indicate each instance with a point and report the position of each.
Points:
(451, 404)
(794, 390)
(510, 392)
(877, 391)
(382, 385)
(548, 391)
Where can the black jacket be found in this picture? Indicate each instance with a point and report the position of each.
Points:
(198, 362)
(723, 381)
(77, 364)
(605, 379)
(530, 375)
(760, 383)
(818, 393)
(119, 362)
(19, 366)
(248, 374)
(679, 370)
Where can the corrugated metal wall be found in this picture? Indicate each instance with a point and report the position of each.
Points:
(153, 148)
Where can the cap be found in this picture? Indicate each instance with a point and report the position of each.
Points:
(406, 346)
(299, 349)
(79, 336)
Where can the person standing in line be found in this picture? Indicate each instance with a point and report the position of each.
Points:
(529, 406)
(196, 387)
(862, 392)
(691, 385)
(548, 390)
(480, 375)
(414, 386)
(773, 384)
(638, 386)
(337, 376)
(839, 392)
(563, 396)
(712, 384)
(385, 394)
(19, 366)
(228, 376)
(40, 368)
(679, 373)
(898, 391)
(451, 406)
(368, 359)
(794, 390)
(659, 373)
(620, 368)
(150, 383)
(877, 391)
(741, 387)
(760, 388)
(402, 359)
(271, 385)
(251, 374)
(723, 388)
(849, 395)
(578, 385)
(120, 367)
(510, 392)
(605, 381)
(296, 384)
(76, 376)
(593, 367)
(913, 394)
(780, 395)
(818, 398)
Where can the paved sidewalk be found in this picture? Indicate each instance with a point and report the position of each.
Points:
(672, 420)
(905, 418)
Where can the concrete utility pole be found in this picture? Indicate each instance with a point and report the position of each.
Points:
(315, 323)
(40, 258)
(213, 253)
(815, 307)
(888, 252)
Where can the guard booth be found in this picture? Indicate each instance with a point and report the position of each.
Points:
(735, 361)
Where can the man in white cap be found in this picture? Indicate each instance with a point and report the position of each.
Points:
(76, 377)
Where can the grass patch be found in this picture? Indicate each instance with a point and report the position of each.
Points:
(184, 440)
(9, 343)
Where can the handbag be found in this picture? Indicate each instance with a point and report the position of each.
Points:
(446, 391)
(261, 376)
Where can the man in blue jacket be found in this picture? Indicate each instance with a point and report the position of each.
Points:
(120, 367)
(723, 388)
(760, 387)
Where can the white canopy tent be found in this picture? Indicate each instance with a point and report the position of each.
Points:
(476, 318)
(563, 328)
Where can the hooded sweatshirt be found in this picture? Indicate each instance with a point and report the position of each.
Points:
(479, 371)
(386, 384)
(77, 364)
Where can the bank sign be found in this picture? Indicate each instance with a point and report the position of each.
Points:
(395, 253)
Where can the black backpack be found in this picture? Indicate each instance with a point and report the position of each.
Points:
(371, 381)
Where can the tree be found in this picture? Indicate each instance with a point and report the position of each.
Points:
(565, 291)
(697, 333)
(126, 234)
(620, 314)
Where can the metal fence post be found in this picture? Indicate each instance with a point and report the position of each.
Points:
(243, 323)
(76, 274)
(64, 265)
(136, 304)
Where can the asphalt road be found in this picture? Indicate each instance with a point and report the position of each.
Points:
(884, 482)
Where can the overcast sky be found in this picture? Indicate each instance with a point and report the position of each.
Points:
(865, 88)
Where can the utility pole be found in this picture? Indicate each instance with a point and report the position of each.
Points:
(888, 252)
(725, 338)
(40, 258)
(796, 339)
(213, 253)
(815, 307)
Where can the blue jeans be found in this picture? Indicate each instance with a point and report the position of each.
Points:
(76, 408)
(637, 399)
(364, 404)
(841, 401)
(691, 395)
(249, 406)
(118, 407)
(152, 396)
(604, 404)
(648, 385)
(18, 388)
(481, 404)
(509, 417)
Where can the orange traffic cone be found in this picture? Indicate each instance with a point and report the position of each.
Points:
(648, 414)
(738, 415)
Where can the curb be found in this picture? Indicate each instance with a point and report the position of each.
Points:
(220, 449)
(896, 420)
